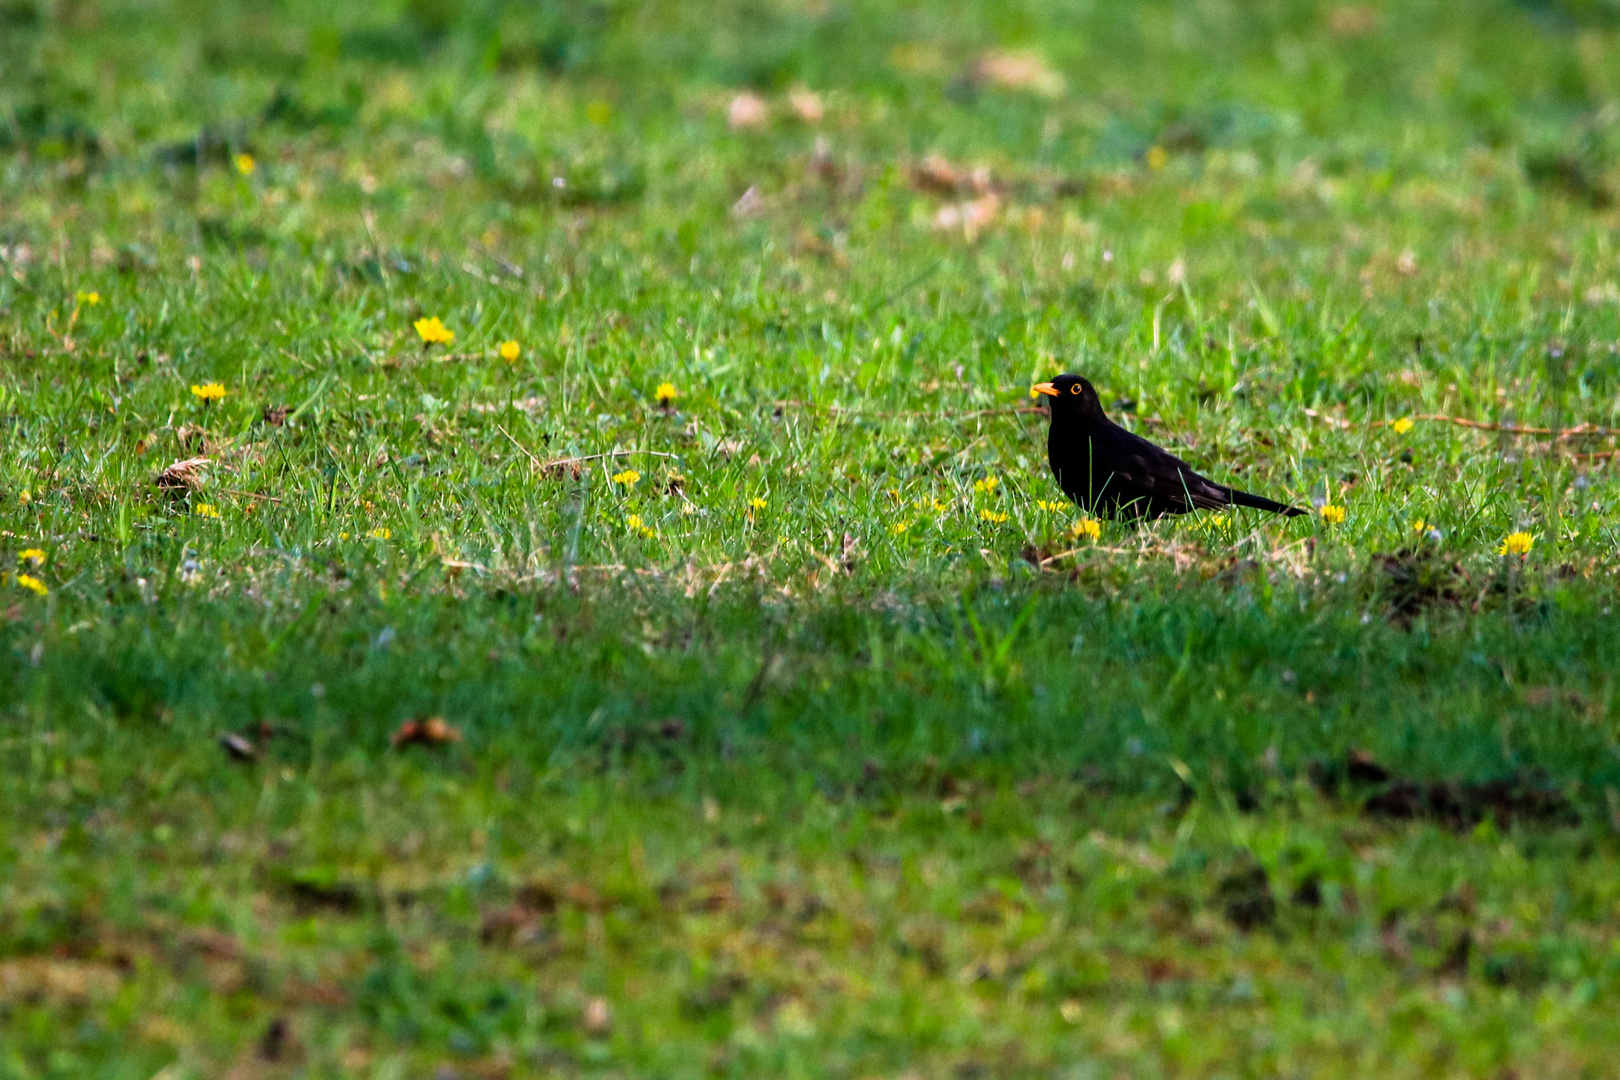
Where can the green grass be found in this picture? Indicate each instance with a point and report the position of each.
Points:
(799, 733)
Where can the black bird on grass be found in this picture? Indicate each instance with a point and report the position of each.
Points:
(1117, 474)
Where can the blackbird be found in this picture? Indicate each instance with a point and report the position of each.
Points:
(1112, 472)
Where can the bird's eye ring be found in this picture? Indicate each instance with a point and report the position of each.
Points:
(1075, 389)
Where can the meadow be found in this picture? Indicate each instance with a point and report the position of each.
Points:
(527, 546)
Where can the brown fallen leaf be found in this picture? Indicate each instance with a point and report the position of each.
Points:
(807, 105)
(747, 110)
(430, 732)
(1019, 69)
(970, 217)
(191, 439)
(57, 982)
(182, 475)
(749, 204)
(565, 470)
(598, 1016)
(935, 175)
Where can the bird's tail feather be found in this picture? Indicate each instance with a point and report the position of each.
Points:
(1260, 502)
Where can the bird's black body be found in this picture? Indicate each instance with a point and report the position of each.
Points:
(1117, 474)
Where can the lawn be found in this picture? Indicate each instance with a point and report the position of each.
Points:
(527, 547)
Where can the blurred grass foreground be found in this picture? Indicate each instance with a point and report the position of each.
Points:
(526, 548)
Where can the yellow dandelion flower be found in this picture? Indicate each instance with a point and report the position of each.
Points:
(1518, 543)
(634, 523)
(1401, 426)
(381, 533)
(1090, 528)
(245, 164)
(1217, 521)
(33, 555)
(91, 298)
(32, 584)
(510, 351)
(992, 517)
(207, 392)
(757, 503)
(1049, 506)
(1333, 515)
(24, 498)
(899, 528)
(207, 510)
(985, 486)
(629, 476)
(433, 331)
(666, 393)
(1420, 526)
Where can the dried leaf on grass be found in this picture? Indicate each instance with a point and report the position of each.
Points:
(54, 982)
(807, 105)
(971, 217)
(183, 475)
(561, 470)
(937, 176)
(433, 731)
(747, 110)
(749, 204)
(1019, 69)
(191, 439)
(598, 1017)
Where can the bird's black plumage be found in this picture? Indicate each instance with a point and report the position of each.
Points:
(1118, 474)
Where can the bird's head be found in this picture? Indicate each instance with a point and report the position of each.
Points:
(1070, 395)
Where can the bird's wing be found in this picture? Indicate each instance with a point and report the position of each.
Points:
(1162, 475)
(1176, 488)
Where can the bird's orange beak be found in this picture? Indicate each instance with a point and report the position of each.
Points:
(1043, 388)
